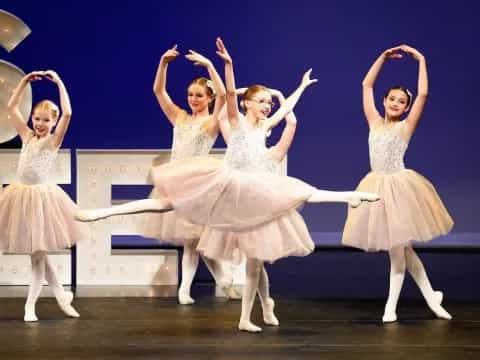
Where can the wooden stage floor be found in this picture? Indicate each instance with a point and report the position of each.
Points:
(159, 328)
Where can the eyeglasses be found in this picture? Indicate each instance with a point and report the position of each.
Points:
(271, 103)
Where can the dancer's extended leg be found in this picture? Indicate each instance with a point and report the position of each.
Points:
(132, 207)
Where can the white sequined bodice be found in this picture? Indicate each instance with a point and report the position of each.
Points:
(189, 139)
(387, 148)
(246, 149)
(36, 160)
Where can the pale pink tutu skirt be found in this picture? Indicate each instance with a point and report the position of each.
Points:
(284, 236)
(258, 207)
(409, 210)
(169, 227)
(37, 218)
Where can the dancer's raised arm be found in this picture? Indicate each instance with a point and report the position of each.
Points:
(232, 105)
(422, 91)
(216, 82)
(16, 117)
(369, 108)
(291, 101)
(66, 108)
(169, 108)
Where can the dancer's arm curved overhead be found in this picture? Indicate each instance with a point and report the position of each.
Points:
(217, 82)
(16, 117)
(169, 108)
(65, 106)
(422, 90)
(369, 108)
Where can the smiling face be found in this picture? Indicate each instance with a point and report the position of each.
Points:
(44, 118)
(199, 95)
(396, 102)
(258, 102)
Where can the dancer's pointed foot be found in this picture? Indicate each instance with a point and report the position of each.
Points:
(65, 303)
(248, 326)
(437, 307)
(30, 315)
(269, 317)
(91, 215)
(185, 299)
(358, 196)
(389, 317)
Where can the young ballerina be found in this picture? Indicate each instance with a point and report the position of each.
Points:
(237, 195)
(261, 98)
(193, 135)
(37, 216)
(410, 208)
(284, 233)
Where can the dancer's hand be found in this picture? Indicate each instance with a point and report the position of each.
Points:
(198, 59)
(170, 54)
(393, 53)
(34, 76)
(52, 76)
(417, 55)
(222, 51)
(306, 81)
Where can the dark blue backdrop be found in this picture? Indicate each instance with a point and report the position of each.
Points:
(108, 54)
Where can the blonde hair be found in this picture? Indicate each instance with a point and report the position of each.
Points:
(48, 106)
(208, 85)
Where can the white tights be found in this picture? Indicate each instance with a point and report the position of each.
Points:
(189, 268)
(405, 258)
(354, 198)
(42, 270)
(256, 282)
